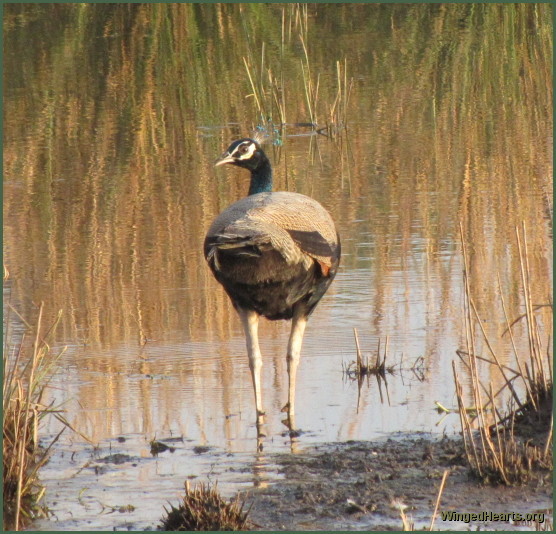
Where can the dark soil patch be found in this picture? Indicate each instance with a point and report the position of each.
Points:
(360, 486)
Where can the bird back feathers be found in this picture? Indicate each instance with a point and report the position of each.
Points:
(294, 225)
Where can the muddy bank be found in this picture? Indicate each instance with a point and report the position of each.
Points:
(360, 485)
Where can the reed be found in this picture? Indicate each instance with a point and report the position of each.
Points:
(269, 89)
(27, 371)
(337, 109)
(507, 448)
(336, 121)
(311, 86)
(362, 366)
(439, 496)
(267, 92)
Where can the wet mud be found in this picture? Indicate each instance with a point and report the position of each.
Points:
(362, 485)
(354, 485)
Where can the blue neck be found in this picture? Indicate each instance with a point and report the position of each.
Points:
(261, 179)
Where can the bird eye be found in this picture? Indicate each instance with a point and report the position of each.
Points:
(243, 149)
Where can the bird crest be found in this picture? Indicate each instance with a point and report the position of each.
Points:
(260, 137)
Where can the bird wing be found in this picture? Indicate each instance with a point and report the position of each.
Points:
(306, 222)
(294, 225)
(251, 237)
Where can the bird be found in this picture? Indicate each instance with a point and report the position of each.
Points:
(275, 253)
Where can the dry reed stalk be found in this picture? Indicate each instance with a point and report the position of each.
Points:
(255, 93)
(494, 452)
(440, 490)
(24, 382)
(363, 367)
(408, 524)
(470, 338)
(269, 91)
(21, 446)
(359, 355)
(337, 112)
(311, 89)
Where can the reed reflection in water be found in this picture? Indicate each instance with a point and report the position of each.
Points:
(113, 116)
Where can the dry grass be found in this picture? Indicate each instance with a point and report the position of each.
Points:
(516, 447)
(338, 110)
(408, 525)
(362, 366)
(203, 508)
(545, 526)
(407, 522)
(27, 370)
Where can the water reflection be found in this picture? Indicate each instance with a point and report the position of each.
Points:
(113, 116)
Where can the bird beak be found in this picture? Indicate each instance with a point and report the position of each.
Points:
(223, 159)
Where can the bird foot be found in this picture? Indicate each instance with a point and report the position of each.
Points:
(286, 408)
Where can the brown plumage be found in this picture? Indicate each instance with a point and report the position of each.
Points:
(275, 254)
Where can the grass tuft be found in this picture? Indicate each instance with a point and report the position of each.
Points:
(203, 508)
(363, 367)
(26, 373)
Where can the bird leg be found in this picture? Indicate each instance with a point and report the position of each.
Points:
(250, 322)
(299, 322)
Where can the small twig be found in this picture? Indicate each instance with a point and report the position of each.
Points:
(440, 490)
(536, 307)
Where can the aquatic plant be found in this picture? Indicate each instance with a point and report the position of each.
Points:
(203, 508)
(513, 448)
(363, 367)
(269, 90)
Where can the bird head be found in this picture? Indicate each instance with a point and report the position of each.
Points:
(246, 153)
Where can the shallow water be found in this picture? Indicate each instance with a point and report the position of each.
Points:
(110, 186)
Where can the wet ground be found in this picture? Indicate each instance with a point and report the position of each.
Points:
(361, 486)
(355, 485)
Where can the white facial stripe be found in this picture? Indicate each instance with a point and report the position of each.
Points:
(251, 148)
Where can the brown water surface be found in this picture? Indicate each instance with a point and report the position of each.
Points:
(113, 117)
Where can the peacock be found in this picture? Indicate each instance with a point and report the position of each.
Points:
(275, 254)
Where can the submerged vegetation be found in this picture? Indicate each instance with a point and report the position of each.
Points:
(28, 367)
(203, 508)
(515, 446)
